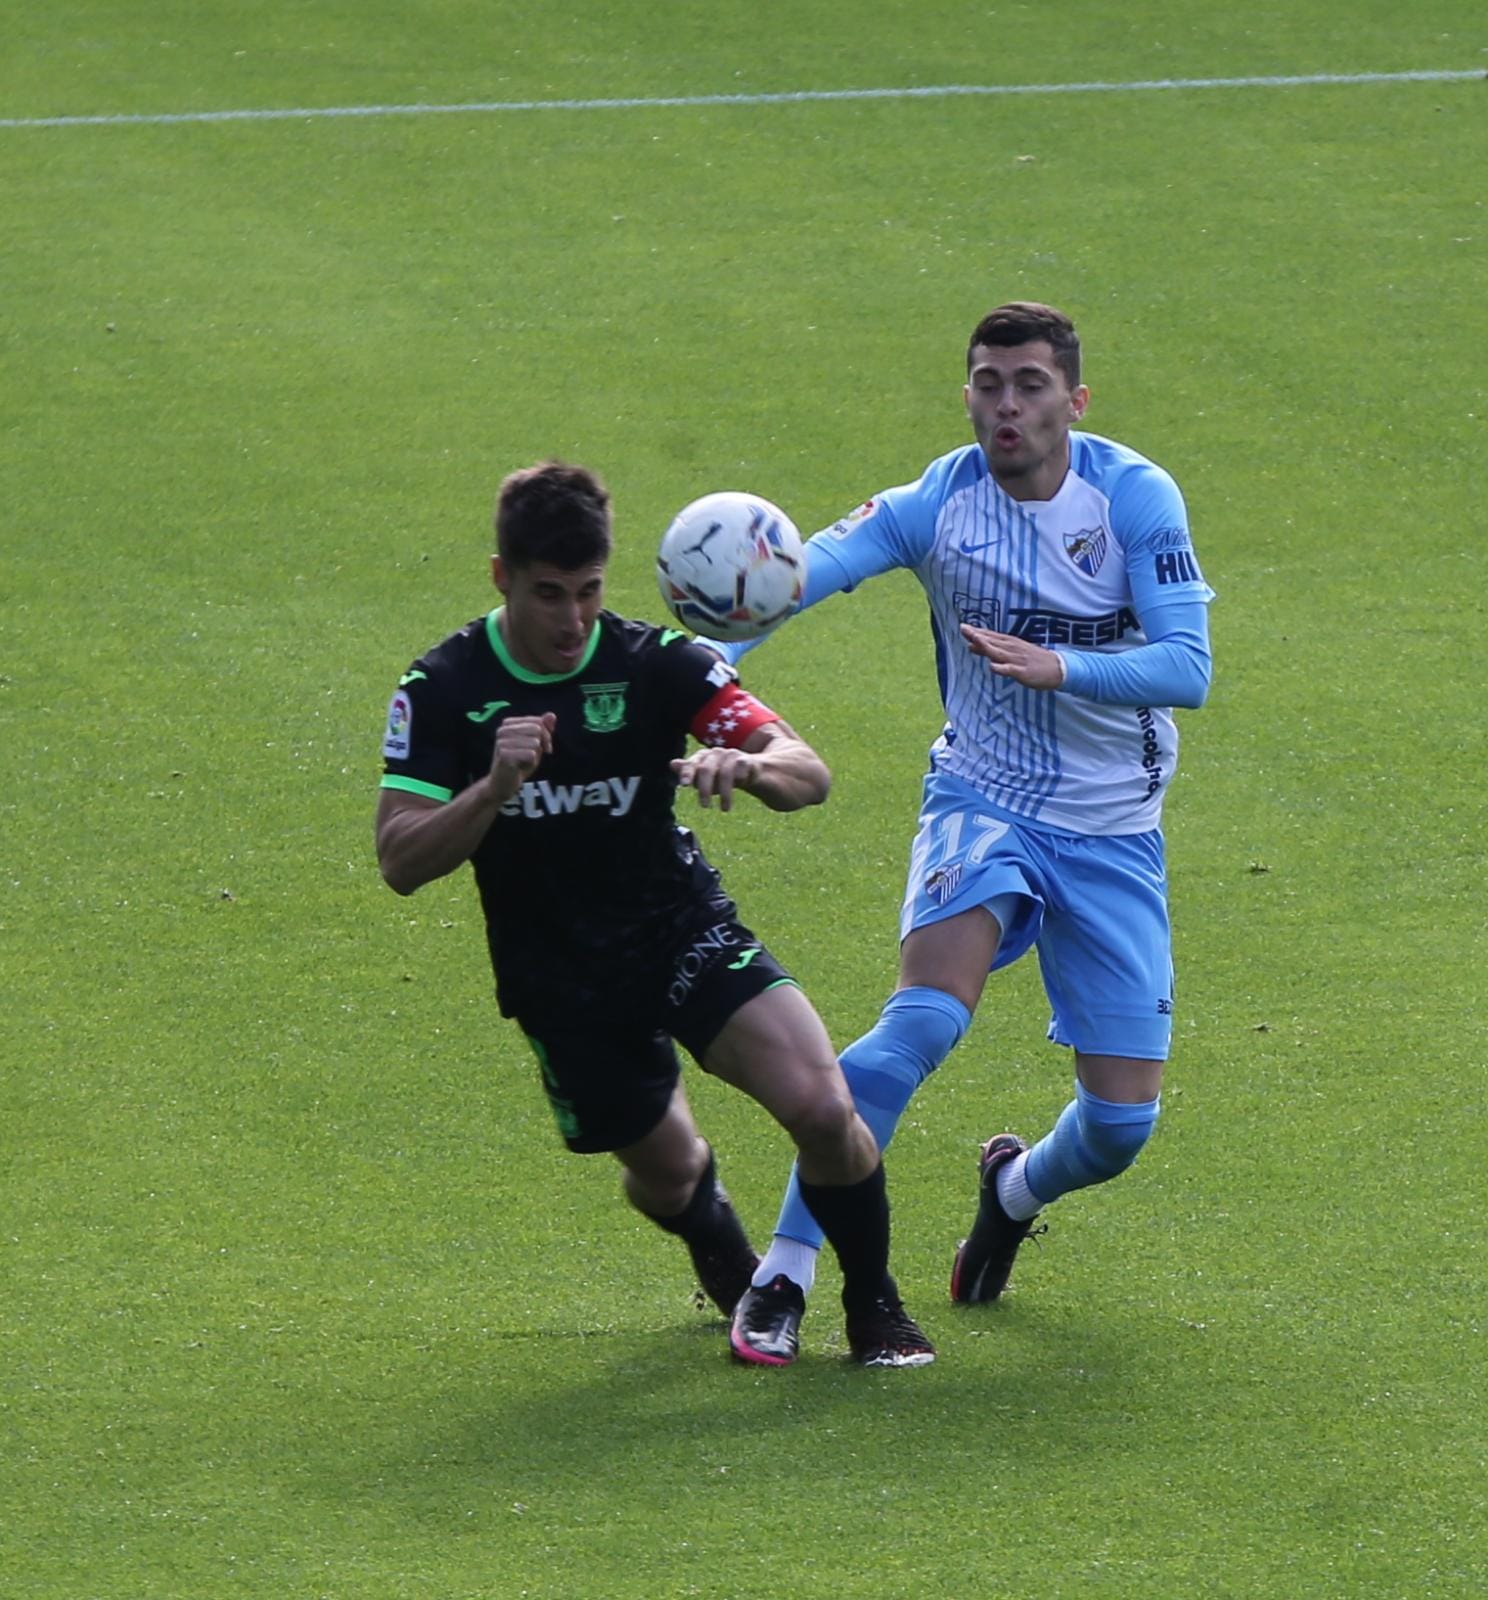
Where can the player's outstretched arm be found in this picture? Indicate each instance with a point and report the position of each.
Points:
(419, 839)
(774, 764)
(836, 563)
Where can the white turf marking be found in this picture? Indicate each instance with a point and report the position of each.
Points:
(792, 97)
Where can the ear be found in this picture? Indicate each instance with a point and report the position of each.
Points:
(1079, 399)
(500, 576)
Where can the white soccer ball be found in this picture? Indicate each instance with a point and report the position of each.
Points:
(731, 566)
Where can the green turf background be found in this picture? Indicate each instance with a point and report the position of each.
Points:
(300, 1295)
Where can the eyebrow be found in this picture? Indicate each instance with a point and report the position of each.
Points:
(552, 586)
(1028, 367)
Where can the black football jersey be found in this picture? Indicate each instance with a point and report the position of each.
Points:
(585, 877)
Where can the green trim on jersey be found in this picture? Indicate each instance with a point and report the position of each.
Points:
(433, 791)
(504, 656)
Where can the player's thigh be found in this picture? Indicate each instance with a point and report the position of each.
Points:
(732, 1006)
(1105, 953)
(776, 1049)
(608, 1086)
(954, 954)
(1124, 1080)
(972, 900)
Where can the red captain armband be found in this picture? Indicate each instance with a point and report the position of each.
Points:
(730, 717)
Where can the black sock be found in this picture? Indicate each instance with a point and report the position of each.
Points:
(708, 1220)
(855, 1219)
(708, 1225)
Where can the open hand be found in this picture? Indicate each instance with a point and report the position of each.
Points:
(715, 771)
(1011, 657)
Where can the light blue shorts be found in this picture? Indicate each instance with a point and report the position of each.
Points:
(1095, 908)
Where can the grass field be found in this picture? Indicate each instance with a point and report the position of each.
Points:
(301, 1295)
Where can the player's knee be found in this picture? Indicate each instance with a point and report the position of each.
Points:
(916, 1030)
(820, 1117)
(1112, 1132)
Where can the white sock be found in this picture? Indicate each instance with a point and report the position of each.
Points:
(796, 1260)
(1013, 1193)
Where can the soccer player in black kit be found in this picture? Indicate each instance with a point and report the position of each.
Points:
(544, 744)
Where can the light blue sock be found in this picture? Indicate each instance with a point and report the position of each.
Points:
(916, 1030)
(1093, 1140)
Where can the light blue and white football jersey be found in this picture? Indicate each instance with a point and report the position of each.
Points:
(1093, 572)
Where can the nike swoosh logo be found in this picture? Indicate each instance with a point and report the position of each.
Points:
(968, 549)
(487, 711)
(744, 960)
(410, 677)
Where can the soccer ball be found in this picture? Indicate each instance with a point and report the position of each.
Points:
(731, 566)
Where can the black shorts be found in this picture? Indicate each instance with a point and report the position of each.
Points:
(609, 1072)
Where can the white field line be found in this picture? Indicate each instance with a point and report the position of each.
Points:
(789, 97)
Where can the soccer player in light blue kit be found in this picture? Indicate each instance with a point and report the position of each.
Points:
(1069, 616)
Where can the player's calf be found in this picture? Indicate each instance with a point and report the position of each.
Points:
(721, 1253)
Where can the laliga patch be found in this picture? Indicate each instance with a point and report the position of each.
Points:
(1087, 549)
(399, 727)
(845, 525)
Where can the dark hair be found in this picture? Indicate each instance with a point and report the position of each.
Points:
(1023, 321)
(555, 513)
